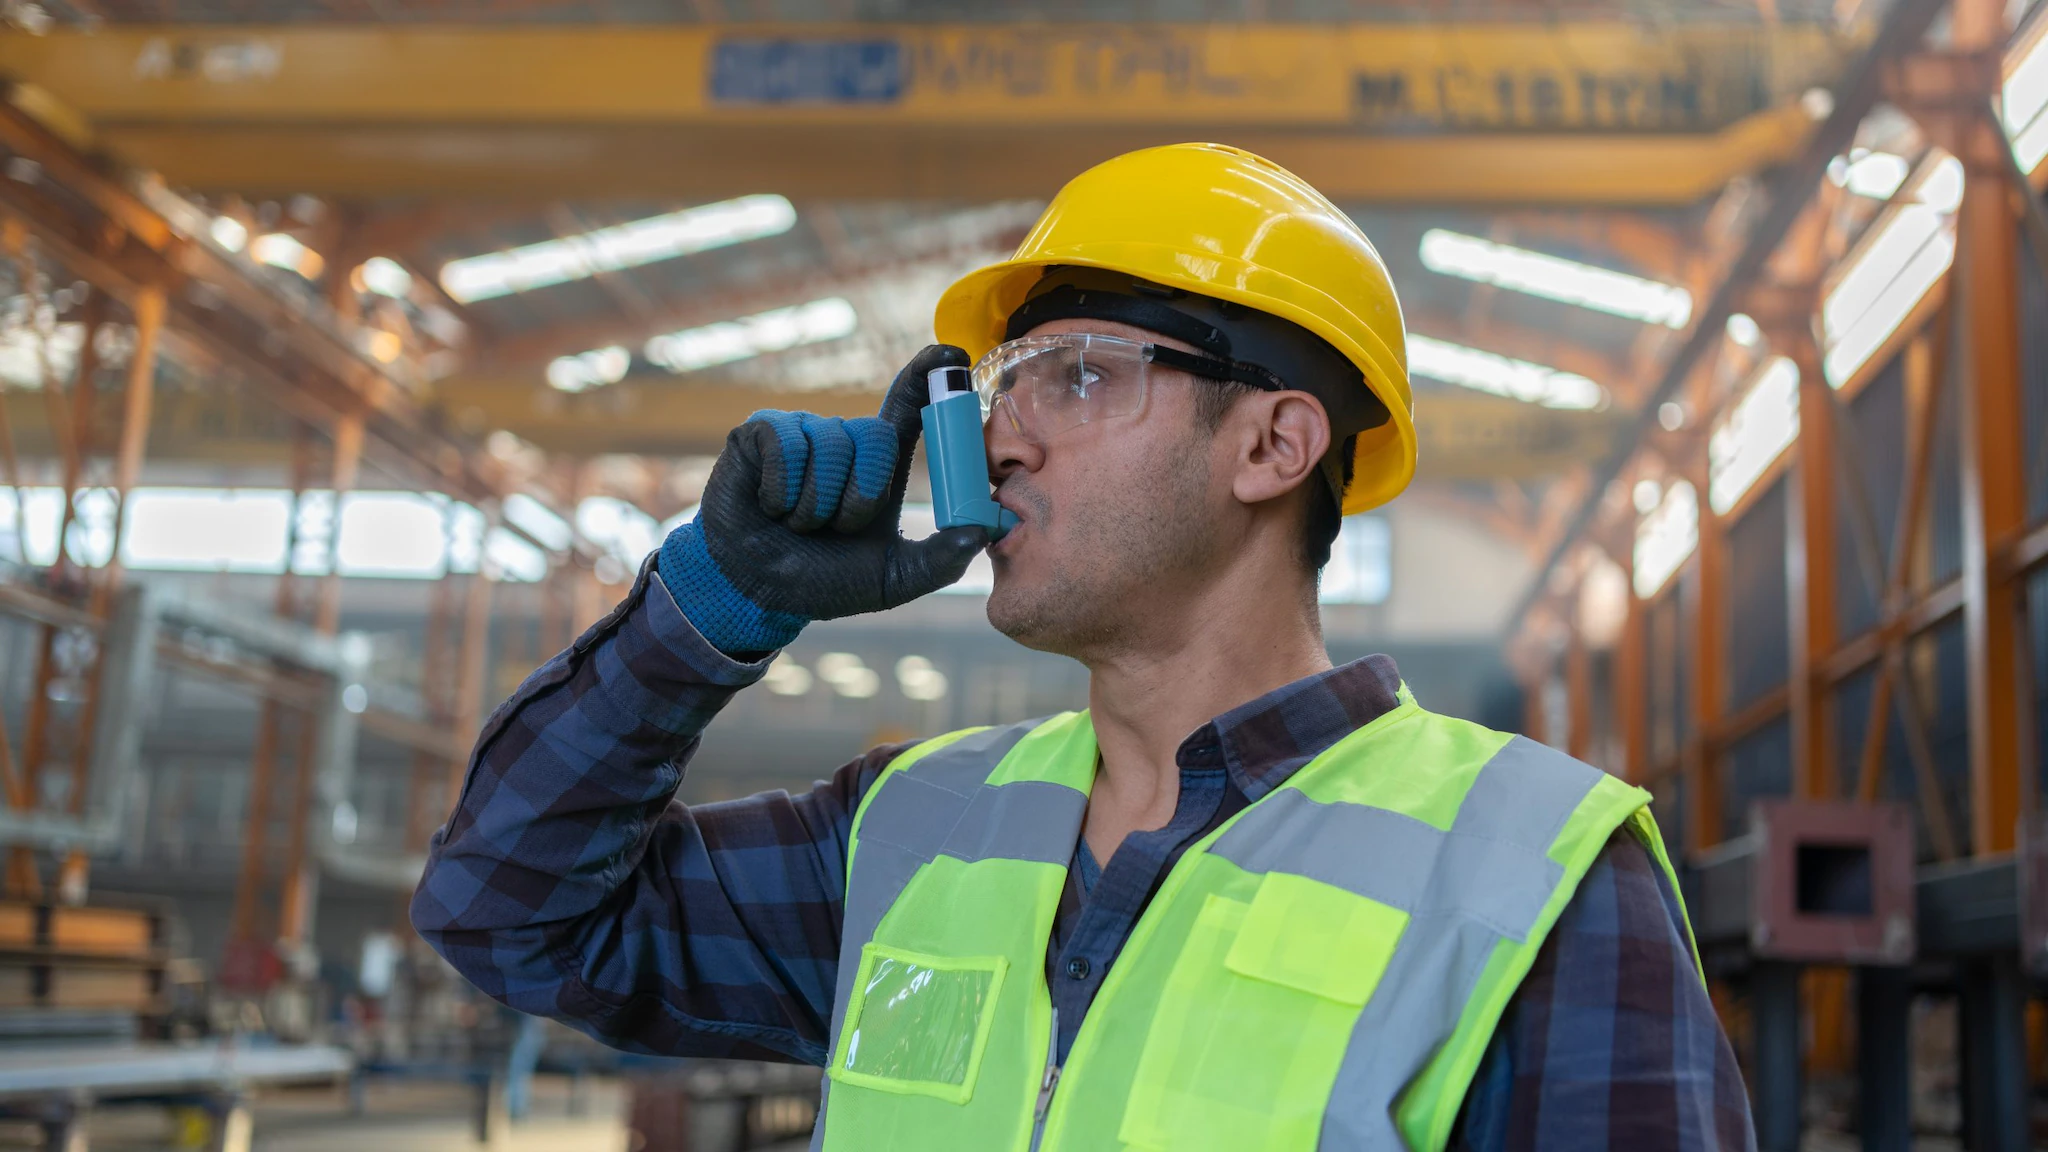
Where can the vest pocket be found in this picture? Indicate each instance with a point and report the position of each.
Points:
(1255, 1017)
(918, 1024)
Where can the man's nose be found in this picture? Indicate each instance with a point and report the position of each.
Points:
(1009, 450)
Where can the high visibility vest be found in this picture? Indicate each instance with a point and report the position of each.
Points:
(1324, 971)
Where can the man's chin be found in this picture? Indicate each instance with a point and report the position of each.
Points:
(1015, 617)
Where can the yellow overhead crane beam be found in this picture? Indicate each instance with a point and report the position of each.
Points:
(1597, 112)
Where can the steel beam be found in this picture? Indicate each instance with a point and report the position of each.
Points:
(1884, 1058)
(1968, 907)
(533, 166)
(1778, 1080)
(1599, 111)
(1810, 560)
(471, 668)
(1994, 497)
(306, 359)
(1904, 25)
(1705, 608)
(301, 875)
(128, 642)
(1994, 1071)
(1351, 76)
(1631, 687)
(137, 402)
(1578, 687)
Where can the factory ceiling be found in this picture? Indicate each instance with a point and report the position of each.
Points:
(356, 151)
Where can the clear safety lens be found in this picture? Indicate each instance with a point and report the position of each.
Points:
(1045, 385)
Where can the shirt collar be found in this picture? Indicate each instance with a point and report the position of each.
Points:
(1263, 742)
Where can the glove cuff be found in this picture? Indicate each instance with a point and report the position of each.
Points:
(721, 613)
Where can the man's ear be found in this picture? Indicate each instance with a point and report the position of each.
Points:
(1285, 436)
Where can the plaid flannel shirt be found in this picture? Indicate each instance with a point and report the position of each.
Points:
(570, 883)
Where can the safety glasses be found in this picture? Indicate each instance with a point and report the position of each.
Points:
(1047, 384)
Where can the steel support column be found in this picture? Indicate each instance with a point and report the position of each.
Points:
(1884, 1058)
(1994, 1054)
(137, 403)
(301, 875)
(1631, 685)
(244, 932)
(1706, 609)
(471, 666)
(1779, 1079)
(1993, 472)
(1578, 687)
(1810, 574)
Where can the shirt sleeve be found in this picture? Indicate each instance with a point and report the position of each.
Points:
(570, 883)
(1611, 1042)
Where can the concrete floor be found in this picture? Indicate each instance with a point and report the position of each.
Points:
(430, 1117)
(412, 1117)
(399, 1117)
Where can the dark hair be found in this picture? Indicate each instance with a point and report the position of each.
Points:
(1213, 399)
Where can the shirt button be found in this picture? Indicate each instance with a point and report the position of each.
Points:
(1077, 968)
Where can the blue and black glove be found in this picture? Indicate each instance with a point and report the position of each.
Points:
(800, 522)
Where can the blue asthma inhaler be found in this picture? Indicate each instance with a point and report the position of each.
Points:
(957, 457)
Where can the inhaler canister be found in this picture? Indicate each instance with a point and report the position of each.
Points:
(957, 457)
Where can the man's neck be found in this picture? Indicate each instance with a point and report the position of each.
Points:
(1234, 647)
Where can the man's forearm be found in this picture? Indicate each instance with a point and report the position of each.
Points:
(565, 849)
(569, 773)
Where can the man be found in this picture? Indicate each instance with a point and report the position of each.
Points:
(1245, 901)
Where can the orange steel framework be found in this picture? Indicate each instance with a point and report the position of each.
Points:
(69, 223)
(1963, 339)
(1964, 336)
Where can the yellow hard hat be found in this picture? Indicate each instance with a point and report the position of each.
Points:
(1223, 223)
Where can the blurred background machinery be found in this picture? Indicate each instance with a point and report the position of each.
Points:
(354, 354)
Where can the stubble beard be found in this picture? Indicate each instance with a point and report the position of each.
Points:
(1116, 568)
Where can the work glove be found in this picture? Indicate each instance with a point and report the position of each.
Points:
(800, 522)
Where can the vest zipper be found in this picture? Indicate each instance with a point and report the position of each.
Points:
(1047, 1083)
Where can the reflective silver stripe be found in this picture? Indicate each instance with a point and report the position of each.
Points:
(1024, 820)
(1493, 864)
(943, 805)
(1517, 805)
(1392, 858)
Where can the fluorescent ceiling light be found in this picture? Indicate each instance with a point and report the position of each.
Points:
(749, 336)
(920, 679)
(1876, 175)
(587, 370)
(229, 233)
(386, 277)
(1488, 372)
(282, 251)
(786, 677)
(1759, 427)
(622, 246)
(1555, 278)
(848, 676)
